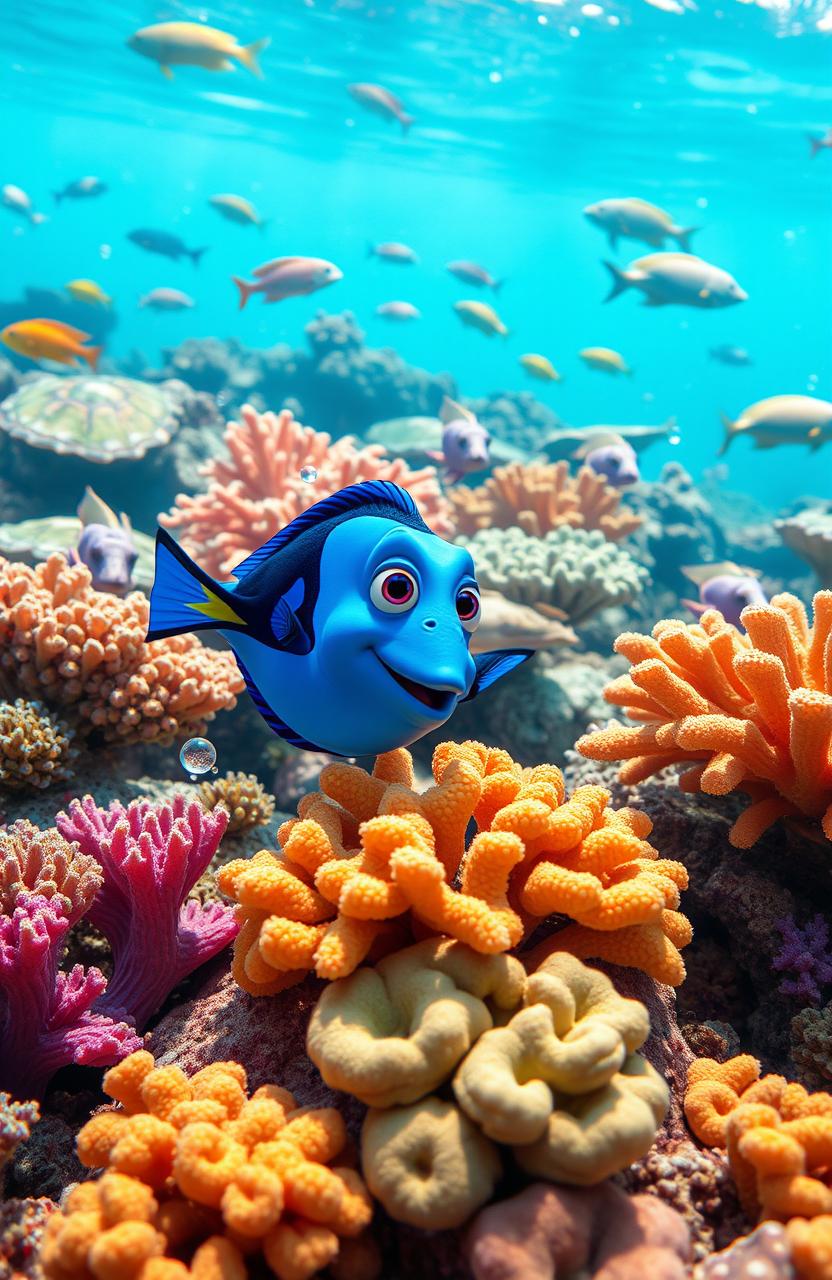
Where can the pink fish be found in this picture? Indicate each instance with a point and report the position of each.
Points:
(617, 463)
(288, 278)
(465, 442)
(820, 144)
(473, 273)
(398, 311)
(381, 102)
(390, 251)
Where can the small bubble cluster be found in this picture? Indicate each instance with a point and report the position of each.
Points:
(197, 756)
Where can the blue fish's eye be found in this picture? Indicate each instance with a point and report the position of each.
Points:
(468, 608)
(394, 591)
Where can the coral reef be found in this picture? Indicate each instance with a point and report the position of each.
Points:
(16, 1120)
(749, 712)
(22, 1224)
(244, 796)
(151, 856)
(766, 1252)
(697, 1184)
(574, 570)
(546, 1232)
(259, 489)
(805, 952)
(36, 748)
(539, 497)
(197, 1168)
(809, 535)
(84, 650)
(679, 526)
(369, 860)
(811, 1045)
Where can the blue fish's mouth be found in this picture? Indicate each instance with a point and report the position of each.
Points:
(438, 700)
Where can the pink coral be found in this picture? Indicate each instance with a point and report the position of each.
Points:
(152, 855)
(259, 489)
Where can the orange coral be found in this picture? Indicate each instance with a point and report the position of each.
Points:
(752, 711)
(777, 1135)
(539, 497)
(811, 1243)
(369, 862)
(195, 1164)
(258, 489)
(72, 646)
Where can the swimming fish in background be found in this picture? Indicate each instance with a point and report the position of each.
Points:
(381, 102)
(540, 367)
(605, 359)
(726, 354)
(167, 300)
(820, 144)
(50, 340)
(190, 44)
(105, 546)
(726, 587)
(165, 243)
(392, 252)
(634, 219)
(782, 420)
(616, 462)
(676, 278)
(351, 626)
(88, 291)
(18, 201)
(473, 273)
(398, 311)
(288, 278)
(465, 442)
(478, 315)
(237, 209)
(577, 442)
(80, 189)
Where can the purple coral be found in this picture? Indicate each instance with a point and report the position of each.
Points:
(151, 855)
(45, 1016)
(805, 952)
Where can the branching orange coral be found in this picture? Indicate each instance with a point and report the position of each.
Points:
(75, 647)
(777, 1135)
(539, 497)
(196, 1167)
(259, 489)
(752, 711)
(370, 862)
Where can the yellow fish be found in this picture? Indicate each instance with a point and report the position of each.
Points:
(782, 420)
(50, 340)
(88, 291)
(237, 209)
(540, 367)
(479, 315)
(604, 358)
(190, 44)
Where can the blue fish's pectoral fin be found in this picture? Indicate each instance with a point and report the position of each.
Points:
(492, 666)
(270, 716)
(286, 627)
(184, 597)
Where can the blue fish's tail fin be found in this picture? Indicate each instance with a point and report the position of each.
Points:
(184, 597)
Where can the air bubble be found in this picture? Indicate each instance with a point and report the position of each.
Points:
(197, 756)
(308, 474)
(674, 439)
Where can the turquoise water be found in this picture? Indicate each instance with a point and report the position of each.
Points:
(525, 112)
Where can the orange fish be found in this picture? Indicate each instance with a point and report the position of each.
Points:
(50, 340)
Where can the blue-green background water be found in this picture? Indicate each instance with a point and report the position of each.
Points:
(525, 112)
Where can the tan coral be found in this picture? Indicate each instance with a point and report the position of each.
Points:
(258, 489)
(750, 712)
(36, 748)
(73, 647)
(248, 802)
(43, 862)
(538, 497)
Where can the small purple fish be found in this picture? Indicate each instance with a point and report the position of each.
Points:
(617, 463)
(729, 593)
(105, 546)
(465, 442)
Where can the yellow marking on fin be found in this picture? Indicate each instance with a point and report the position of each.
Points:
(214, 608)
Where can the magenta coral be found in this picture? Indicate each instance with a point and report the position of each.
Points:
(805, 953)
(151, 855)
(46, 1018)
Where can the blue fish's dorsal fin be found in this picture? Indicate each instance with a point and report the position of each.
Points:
(491, 666)
(367, 493)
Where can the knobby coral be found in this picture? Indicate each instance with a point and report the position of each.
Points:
(16, 1120)
(36, 748)
(766, 1252)
(546, 1232)
(151, 855)
(83, 649)
(244, 796)
(369, 861)
(805, 952)
(539, 497)
(198, 1169)
(752, 711)
(259, 489)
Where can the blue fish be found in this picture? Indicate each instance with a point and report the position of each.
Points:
(350, 626)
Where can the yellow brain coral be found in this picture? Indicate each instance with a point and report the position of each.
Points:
(195, 1165)
(751, 712)
(369, 860)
